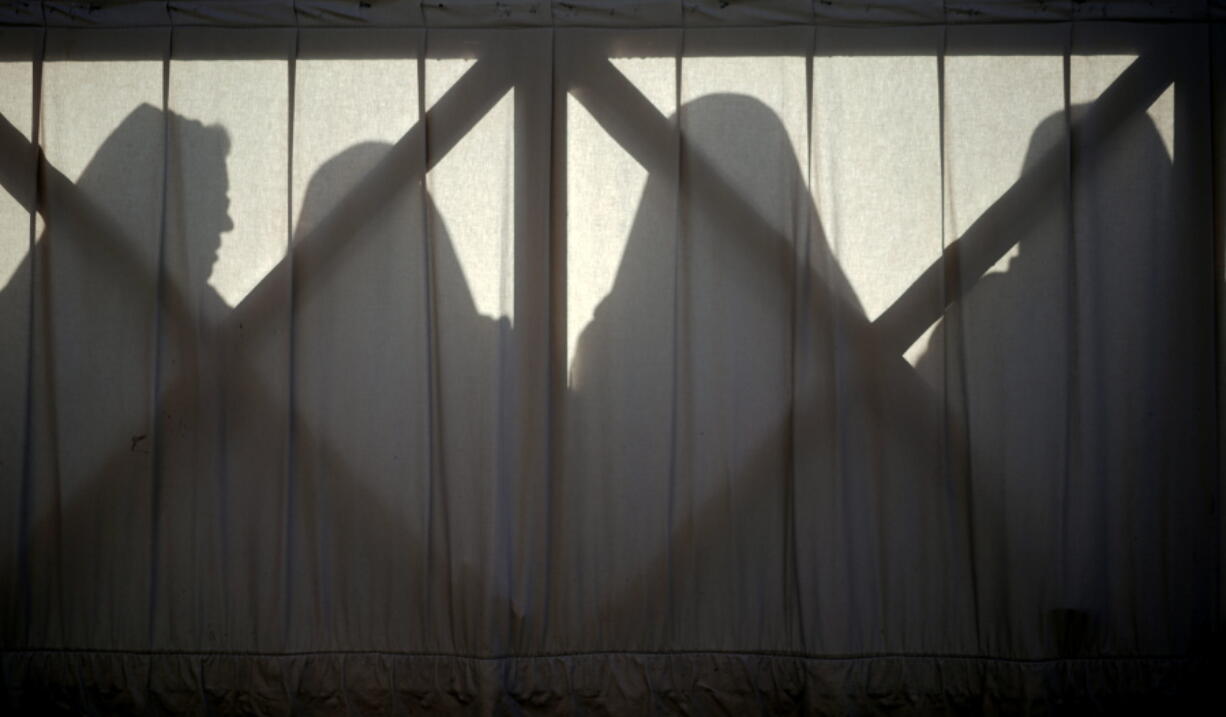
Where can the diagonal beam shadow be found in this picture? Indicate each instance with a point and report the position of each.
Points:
(638, 126)
(624, 112)
(442, 127)
(420, 149)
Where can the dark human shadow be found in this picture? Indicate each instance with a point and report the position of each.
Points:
(1083, 367)
(392, 362)
(92, 372)
(679, 390)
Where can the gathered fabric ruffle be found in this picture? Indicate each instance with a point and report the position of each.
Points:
(613, 683)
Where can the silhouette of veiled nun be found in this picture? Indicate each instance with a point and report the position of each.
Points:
(679, 403)
(688, 442)
(83, 575)
(744, 467)
(391, 550)
(1084, 365)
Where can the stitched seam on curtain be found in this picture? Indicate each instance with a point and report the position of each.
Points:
(434, 460)
(624, 653)
(968, 14)
(817, 23)
(556, 364)
(679, 227)
(291, 464)
(1219, 259)
(800, 263)
(954, 345)
(155, 393)
(1072, 387)
(968, 11)
(24, 595)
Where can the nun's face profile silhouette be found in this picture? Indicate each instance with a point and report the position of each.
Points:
(223, 221)
(198, 154)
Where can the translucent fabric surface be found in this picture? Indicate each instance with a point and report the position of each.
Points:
(790, 367)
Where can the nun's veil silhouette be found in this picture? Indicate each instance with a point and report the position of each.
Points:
(98, 265)
(680, 389)
(683, 424)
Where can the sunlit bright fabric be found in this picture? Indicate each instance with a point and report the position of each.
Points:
(728, 361)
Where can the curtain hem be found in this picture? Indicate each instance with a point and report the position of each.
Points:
(133, 682)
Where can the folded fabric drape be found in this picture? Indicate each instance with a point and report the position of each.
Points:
(677, 367)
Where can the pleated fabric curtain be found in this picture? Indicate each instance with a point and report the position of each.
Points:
(636, 357)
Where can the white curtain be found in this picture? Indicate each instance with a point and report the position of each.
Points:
(528, 356)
